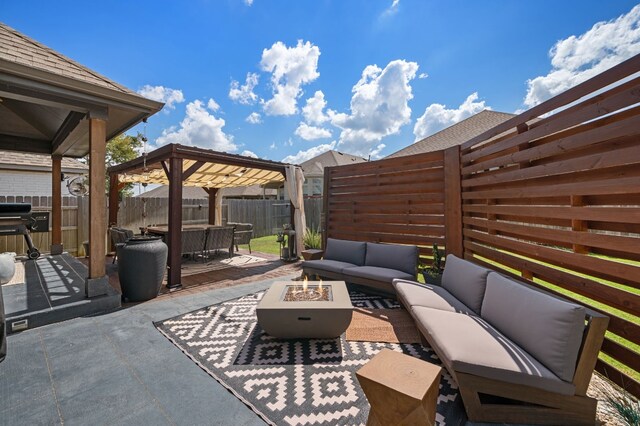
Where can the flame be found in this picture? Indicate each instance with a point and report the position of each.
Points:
(305, 284)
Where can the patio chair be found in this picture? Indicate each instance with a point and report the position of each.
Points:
(242, 234)
(193, 241)
(219, 237)
(119, 236)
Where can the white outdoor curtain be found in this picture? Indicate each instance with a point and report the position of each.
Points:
(218, 216)
(294, 185)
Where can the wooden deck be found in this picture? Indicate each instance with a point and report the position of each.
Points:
(218, 272)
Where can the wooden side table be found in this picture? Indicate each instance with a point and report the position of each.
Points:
(401, 389)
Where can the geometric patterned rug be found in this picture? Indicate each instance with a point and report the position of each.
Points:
(292, 382)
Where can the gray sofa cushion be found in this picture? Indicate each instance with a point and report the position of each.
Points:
(548, 328)
(375, 273)
(392, 256)
(412, 293)
(466, 281)
(468, 344)
(327, 265)
(345, 251)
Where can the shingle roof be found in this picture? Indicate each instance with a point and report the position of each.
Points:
(14, 160)
(20, 49)
(195, 192)
(456, 134)
(315, 166)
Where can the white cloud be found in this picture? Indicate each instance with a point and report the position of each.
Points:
(290, 68)
(254, 118)
(313, 111)
(199, 128)
(379, 107)
(248, 2)
(162, 94)
(248, 153)
(576, 59)
(437, 117)
(423, 75)
(310, 133)
(244, 94)
(303, 156)
(272, 146)
(391, 10)
(213, 105)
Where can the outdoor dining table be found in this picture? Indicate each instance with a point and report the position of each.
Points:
(164, 230)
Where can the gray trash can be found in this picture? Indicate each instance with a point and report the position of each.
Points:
(142, 262)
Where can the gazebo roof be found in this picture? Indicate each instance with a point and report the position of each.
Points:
(46, 99)
(202, 167)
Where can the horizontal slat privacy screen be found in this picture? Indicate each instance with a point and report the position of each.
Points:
(551, 196)
(400, 200)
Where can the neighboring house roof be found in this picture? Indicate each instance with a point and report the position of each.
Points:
(195, 192)
(314, 167)
(20, 49)
(12, 160)
(456, 134)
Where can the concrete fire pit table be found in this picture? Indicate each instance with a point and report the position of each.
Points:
(320, 310)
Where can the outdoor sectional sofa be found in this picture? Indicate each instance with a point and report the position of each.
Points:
(502, 338)
(369, 264)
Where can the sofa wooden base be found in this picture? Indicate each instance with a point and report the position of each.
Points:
(538, 406)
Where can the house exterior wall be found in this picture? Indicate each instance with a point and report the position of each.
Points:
(18, 182)
(312, 187)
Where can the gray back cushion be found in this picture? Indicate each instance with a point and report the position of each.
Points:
(548, 328)
(393, 256)
(345, 251)
(466, 281)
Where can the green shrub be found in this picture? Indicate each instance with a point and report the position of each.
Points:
(312, 239)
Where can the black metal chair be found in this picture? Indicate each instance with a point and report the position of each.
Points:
(119, 236)
(242, 234)
(219, 238)
(193, 241)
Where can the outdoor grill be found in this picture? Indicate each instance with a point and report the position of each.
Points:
(18, 219)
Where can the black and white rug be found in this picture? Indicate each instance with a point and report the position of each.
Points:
(292, 382)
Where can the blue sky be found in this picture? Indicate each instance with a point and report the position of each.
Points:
(365, 77)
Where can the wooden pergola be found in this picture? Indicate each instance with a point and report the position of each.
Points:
(177, 166)
(50, 104)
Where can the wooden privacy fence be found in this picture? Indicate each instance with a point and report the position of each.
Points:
(554, 201)
(266, 215)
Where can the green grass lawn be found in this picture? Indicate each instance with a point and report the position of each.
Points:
(266, 244)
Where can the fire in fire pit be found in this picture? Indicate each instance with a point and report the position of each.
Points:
(308, 293)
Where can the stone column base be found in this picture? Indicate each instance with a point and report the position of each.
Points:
(56, 249)
(96, 286)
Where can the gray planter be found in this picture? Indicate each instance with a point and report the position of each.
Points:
(7, 267)
(432, 279)
(141, 266)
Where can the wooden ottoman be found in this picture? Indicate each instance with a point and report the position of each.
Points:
(401, 389)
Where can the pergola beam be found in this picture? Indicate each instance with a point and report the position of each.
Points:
(56, 204)
(97, 281)
(60, 144)
(174, 237)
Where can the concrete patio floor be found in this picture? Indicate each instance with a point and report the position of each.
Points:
(117, 369)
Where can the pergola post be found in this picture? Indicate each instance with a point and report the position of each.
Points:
(174, 237)
(97, 282)
(56, 204)
(213, 192)
(114, 187)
